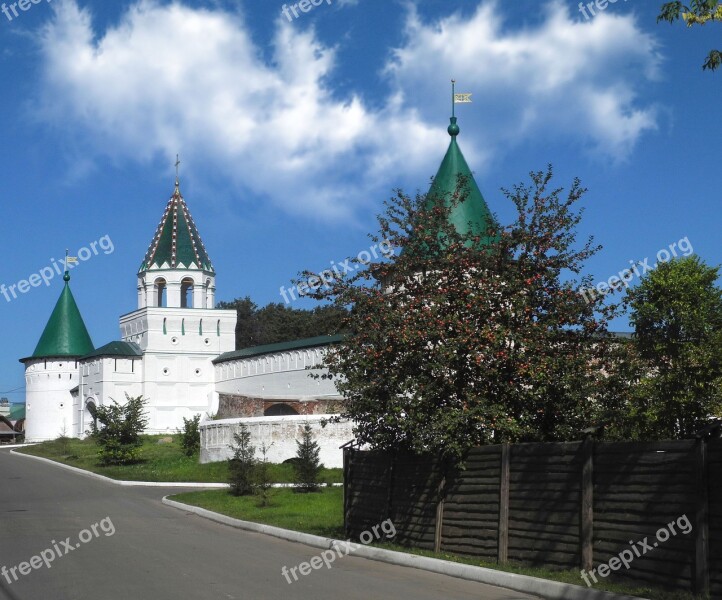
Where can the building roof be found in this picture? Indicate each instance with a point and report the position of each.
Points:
(65, 335)
(116, 348)
(472, 215)
(17, 412)
(321, 340)
(176, 244)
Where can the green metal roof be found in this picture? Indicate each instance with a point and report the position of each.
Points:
(65, 334)
(116, 348)
(176, 243)
(472, 215)
(17, 412)
(321, 340)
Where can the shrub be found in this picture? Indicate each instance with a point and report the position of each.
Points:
(191, 435)
(117, 431)
(307, 464)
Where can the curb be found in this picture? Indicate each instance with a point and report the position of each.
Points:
(190, 484)
(512, 581)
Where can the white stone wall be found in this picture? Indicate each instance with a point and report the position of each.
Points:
(279, 375)
(282, 432)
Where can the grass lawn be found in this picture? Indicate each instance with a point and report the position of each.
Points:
(322, 514)
(319, 513)
(160, 462)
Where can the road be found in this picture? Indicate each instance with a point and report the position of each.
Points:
(142, 549)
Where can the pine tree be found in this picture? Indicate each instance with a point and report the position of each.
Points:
(241, 467)
(307, 464)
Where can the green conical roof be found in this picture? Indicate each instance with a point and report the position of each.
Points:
(177, 244)
(472, 215)
(65, 334)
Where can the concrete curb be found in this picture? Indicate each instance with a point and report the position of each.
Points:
(519, 583)
(189, 484)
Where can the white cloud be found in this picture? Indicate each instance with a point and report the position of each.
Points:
(171, 78)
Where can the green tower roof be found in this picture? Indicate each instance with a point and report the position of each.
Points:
(472, 215)
(176, 243)
(65, 334)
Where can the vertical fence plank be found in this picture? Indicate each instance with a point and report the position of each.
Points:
(701, 560)
(439, 515)
(586, 528)
(346, 484)
(503, 544)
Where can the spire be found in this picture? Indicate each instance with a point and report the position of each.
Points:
(472, 215)
(65, 334)
(176, 243)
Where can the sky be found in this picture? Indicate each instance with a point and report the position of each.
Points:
(293, 130)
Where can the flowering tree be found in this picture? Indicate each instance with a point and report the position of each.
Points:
(462, 339)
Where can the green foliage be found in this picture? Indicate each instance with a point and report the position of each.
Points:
(191, 435)
(307, 464)
(699, 12)
(677, 315)
(277, 322)
(452, 344)
(117, 430)
(242, 465)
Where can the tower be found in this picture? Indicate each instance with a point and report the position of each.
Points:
(52, 370)
(176, 326)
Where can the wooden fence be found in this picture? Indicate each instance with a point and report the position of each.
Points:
(557, 505)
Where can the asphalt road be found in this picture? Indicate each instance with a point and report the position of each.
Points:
(141, 549)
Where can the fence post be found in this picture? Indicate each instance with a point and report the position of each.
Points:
(503, 540)
(587, 508)
(701, 559)
(346, 484)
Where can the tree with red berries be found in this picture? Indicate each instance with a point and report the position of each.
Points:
(462, 339)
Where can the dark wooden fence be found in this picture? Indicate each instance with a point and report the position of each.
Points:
(558, 505)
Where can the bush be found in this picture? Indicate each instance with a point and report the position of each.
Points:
(241, 468)
(307, 464)
(117, 431)
(191, 435)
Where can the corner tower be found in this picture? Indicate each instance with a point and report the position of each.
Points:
(52, 370)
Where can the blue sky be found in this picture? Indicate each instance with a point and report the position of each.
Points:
(292, 133)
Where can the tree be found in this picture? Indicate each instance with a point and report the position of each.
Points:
(677, 316)
(468, 339)
(242, 464)
(262, 482)
(117, 430)
(277, 322)
(307, 465)
(191, 435)
(699, 12)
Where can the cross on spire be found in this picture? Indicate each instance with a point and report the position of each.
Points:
(177, 163)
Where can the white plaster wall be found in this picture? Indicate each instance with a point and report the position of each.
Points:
(49, 405)
(279, 375)
(282, 432)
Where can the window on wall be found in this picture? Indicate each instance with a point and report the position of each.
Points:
(161, 296)
(206, 297)
(200, 328)
(187, 293)
(165, 329)
(183, 327)
(218, 328)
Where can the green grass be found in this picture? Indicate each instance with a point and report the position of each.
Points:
(322, 514)
(319, 513)
(160, 462)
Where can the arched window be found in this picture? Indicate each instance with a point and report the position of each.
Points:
(280, 410)
(165, 329)
(183, 327)
(160, 292)
(186, 292)
(206, 297)
(200, 328)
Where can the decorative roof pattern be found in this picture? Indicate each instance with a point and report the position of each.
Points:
(65, 334)
(176, 244)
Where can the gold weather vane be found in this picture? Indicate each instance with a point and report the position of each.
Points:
(463, 98)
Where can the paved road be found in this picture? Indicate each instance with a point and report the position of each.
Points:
(144, 550)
